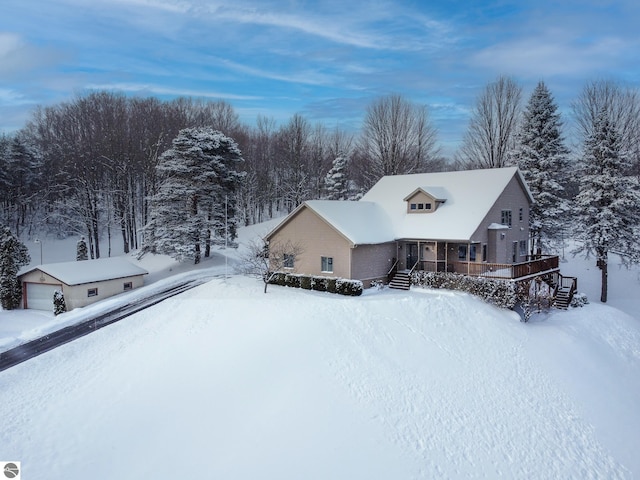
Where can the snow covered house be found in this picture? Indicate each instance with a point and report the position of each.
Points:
(474, 222)
(82, 282)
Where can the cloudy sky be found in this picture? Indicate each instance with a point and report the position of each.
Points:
(323, 59)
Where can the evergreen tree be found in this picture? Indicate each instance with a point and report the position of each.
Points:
(195, 202)
(542, 157)
(336, 182)
(59, 304)
(608, 203)
(82, 253)
(13, 255)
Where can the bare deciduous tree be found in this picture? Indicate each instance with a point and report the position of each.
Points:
(263, 260)
(397, 138)
(492, 128)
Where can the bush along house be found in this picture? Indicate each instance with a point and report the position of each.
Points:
(473, 222)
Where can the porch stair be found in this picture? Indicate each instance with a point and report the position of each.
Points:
(401, 281)
(563, 298)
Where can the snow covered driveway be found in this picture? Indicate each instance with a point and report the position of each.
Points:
(226, 382)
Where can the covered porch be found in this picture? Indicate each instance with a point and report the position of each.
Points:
(467, 258)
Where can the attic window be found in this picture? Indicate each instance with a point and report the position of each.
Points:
(92, 292)
(128, 286)
(414, 206)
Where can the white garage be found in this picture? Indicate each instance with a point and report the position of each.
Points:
(39, 296)
(81, 283)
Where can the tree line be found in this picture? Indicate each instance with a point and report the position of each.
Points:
(93, 166)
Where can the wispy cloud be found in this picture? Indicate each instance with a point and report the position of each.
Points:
(551, 54)
(161, 90)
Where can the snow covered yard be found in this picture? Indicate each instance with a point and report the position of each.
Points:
(226, 382)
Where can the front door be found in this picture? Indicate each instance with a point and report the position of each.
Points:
(412, 255)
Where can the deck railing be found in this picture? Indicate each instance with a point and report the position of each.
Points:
(533, 266)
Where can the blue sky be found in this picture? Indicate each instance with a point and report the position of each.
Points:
(325, 60)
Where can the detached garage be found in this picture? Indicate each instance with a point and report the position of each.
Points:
(82, 283)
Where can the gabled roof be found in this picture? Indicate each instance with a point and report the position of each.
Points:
(439, 194)
(470, 194)
(361, 223)
(89, 271)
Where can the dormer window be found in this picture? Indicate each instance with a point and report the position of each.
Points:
(425, 200)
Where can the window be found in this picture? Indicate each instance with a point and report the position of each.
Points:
(472, 253)
(484, 252)
(427, 206)
(521, 216)
(523, 248)
(327, 264)
(288, 260)
(128, 286)
(421, 206)
(92, 292)
(462, 252)
(414, 206)
(506, 217)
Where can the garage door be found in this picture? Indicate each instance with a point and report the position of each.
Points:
(40, 297)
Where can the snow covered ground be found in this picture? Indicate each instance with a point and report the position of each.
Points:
(224, 381)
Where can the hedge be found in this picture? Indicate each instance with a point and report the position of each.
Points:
(501, 293)
(319, 283)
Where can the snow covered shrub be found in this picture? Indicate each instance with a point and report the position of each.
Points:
(501, 293)
(320, 284)
(292, 280)
(59, 305)
(379, 284)
(349, 287)
(278, 278)
(579, 300)
(305, 282)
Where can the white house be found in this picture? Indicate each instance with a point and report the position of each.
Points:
(81, 282)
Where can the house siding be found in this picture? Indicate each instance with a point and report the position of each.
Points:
(500, 249)
(76, 295)
(373, 262)
(421, 197)
(317, 239)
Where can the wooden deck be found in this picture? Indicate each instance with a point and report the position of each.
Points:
(538, 265)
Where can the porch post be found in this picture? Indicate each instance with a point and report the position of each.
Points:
(468, 258)
(446, 256)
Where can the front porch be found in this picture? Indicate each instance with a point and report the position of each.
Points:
(533, 267)
(472, 258)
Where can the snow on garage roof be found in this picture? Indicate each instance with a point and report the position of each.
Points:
(89, 271)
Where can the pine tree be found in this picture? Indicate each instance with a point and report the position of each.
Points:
(195, 202)
(13, 255)
(82, 252)
(542, 157)
(336, 182)
(59, 304)
(608, 203)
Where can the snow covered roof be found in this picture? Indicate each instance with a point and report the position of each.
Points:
(469, 194)
(362, 223)
(439, 194)
(381, 215)
(89, 271)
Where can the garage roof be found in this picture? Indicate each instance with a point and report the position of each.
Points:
(89, 271)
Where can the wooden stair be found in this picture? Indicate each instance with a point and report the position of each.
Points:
(563, 298)
(401, 281)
